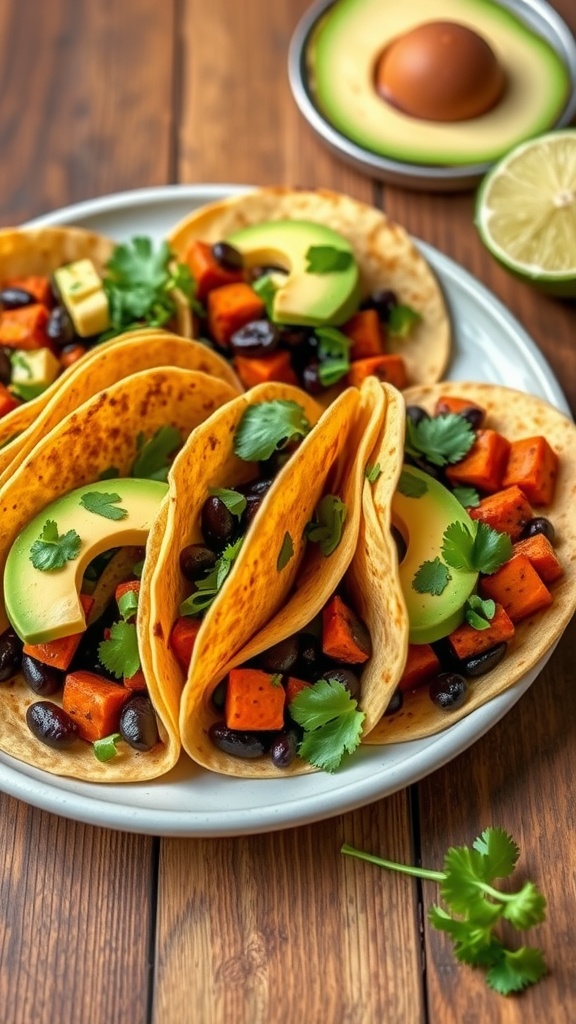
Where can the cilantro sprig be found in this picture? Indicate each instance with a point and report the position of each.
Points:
(104, 504)
(139, 285)
(324, 259)
(479, 613)
(482, 549)
(155, 453)
(439, 439)
(326, 527)
(331, 721)
(208, 587)
(475, 907)
(119, 653)
(52, 549)
(267, 426)
(333, 354)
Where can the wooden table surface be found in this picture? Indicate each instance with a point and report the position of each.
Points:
(103, 926)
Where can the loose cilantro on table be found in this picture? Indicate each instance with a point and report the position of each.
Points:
(332, 724)
(267, 426)
(481, 550)
(479, 613)
(323, 259)
(233, 500)
(334, 355)
(155, 454)
(432, 577)
(411, 486)
(467, 496)
(401, 321)
(207, 588)
(105, 748)
(103, 504)
(139, 284)
(372, 472)
(439, 439)
(286, 552)
(326, 528)
(52, 550)
(466, 887)
(119, 653)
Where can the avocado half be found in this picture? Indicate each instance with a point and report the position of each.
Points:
(342, 56)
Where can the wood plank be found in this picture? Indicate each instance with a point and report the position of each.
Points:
(89, 111)
(77, 912)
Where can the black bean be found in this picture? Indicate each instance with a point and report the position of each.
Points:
(284, 749)
(256, 339)
(50, 724)
(227, 256)
(395, 703)
(5, 367)
(239, 744)
(218, 697)
(416, 414)
(276, 462)
(434, 471)
(473, 415)
(263, 270)
(60, 328)
(256, 487)
(10, 654)
(219, 526)
(383, 301)
(294, 337)
(345, 676)
(448, 691)
(138, 725)
(42, 679)
(311, 657)
(311, 378)
(282, 657)
(15, 298)
(485, 662)
(539, 524)
(195, 560)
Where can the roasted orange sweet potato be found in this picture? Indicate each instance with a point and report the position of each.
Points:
(230, 307)
(182, 638)
(344, 637)
(276, 366)
(467, 642)
(421, 664)
(8, 401)
(366, 334)
(71, 355)
(36, 285)
(533, 467)
(507, 511)
(206, 270)
(254, 700)
(390, 368)
(25, 328)
(484, 465)
(518, 588)
(542, 556)
(94, 703)
(59, 653)
(137, 682)
(293, 687)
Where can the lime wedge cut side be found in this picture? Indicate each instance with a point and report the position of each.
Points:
(526, 211)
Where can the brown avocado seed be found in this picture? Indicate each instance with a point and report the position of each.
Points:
(440, 71)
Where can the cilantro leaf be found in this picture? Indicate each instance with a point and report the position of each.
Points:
(233, 500)
(411, 486)
(334, 355)
(128, 605)
(477, 548)
(401, 321)
(497, 847)
(139, 283)
(102, 504)
(372, 472)
(154, 455)
(208, 587)
(105, 748)
(479, 613)
(331, 371)
(458, 546)
(439, 439)
(52, 550)
(326, 528)
(286, 552)
(431, 578)
(467, 496)
(27, 392)
(264, 287)
(332, 724)
(526, 908)
(323, 259)
(119, 654)
(516, 970)
(267, 426)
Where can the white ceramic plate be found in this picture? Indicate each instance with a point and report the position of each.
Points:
(490, 345)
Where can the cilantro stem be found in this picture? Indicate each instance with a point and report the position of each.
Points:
(405, 869)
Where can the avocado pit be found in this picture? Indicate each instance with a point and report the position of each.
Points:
(440, 71)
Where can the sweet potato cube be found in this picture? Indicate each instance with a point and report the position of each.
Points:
(254, 700)
(276, 366)
(467, 642)
(344, 637)
(94, 703)
(518, 588)
(36, 285)
(59, 653)
(24, 328)
(390, 368)
(206, 271)
(533, 467)
(182, 639)
(366, 334)
(484, 465)
(421, 664)
(136, 683)
(293, 687)
(507, 511)
(231, 307)
(453, 404)
(8, 401)
(542, 556)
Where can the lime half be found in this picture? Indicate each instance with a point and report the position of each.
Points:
(526, 211)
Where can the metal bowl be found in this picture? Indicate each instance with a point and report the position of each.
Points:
(536, 14)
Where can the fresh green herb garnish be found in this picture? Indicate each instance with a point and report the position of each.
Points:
(233, 500)
(480, 550)
(466, 887)
(276, 679)
(264, 287)
(401, 321)
(27, 392)
(111, 473)
(119, 653)
(432, 577)
(467, 496)
(411, 486)
(326, 528)
(207, 588)
(331, 722)
(323, 259)
(102, 504)
(439, 439)
(479, 613)
(128, 605)
(286, 552)
(372, 472)
(139, 283)
(154, 455)
(138, 569)
(105, 749)
(334, 355)
(267, 426)
(52, 550)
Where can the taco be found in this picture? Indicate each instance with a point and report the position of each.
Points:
(102, 366)
(64, 290)
(314, 288)
(75, 518)
(484, 512)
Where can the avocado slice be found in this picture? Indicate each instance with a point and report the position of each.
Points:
(44, 605)
(303, 296)
(345, 47)
(422, 520)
